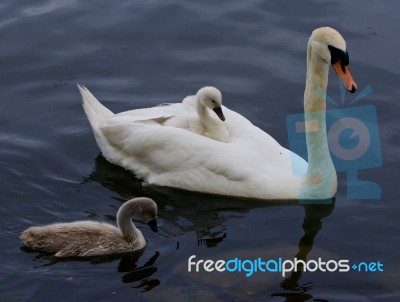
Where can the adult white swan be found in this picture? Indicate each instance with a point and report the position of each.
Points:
(251, 163)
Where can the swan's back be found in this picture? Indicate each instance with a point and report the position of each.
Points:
(250, 163)
(80, 239)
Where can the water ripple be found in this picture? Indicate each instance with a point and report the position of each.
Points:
(47, 7)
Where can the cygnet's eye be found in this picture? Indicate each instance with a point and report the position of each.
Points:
(213, 101)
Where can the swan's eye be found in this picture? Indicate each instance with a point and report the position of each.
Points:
(339, 55)
(213, 101)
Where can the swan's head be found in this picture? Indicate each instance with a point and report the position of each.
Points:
(211, 98)
(144, 209)
(327, 43)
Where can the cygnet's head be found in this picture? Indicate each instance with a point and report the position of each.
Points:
(328, 43)
(211, 98)
(143, 208)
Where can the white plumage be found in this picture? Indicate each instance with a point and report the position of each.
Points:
(175, 157)
(249, 163)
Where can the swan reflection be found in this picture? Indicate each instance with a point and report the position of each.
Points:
(207, 216)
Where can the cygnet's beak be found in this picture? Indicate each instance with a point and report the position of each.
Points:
(218, 111)
(344, 75)
(153, 225)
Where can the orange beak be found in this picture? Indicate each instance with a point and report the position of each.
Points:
(345, 76)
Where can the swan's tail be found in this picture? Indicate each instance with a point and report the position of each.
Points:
(95, 111)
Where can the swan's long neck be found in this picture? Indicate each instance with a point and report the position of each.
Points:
(202, 111)
(319, 160)
(125, 224)
(215, 128)
(316, 83)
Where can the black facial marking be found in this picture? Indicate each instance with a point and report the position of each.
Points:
(153, 225)
(218, 111)
(339, 55)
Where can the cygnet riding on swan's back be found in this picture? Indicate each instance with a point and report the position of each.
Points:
(206, 123)
(91, 238)
(250, 163)
(200, 113)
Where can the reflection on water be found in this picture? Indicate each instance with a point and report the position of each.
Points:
(116, 179)
(201, 213)
(140, 275)
(187, 211)
(141, 53)
(312, 225)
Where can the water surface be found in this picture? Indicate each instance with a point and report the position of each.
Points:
(133, 54)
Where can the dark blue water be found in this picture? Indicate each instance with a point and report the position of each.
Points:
(133, 54)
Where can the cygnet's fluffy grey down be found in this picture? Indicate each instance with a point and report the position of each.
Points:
(91, 238)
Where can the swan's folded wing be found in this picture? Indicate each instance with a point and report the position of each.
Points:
(153, 113)
(164, 155)
(162, 111)
(146, 140)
